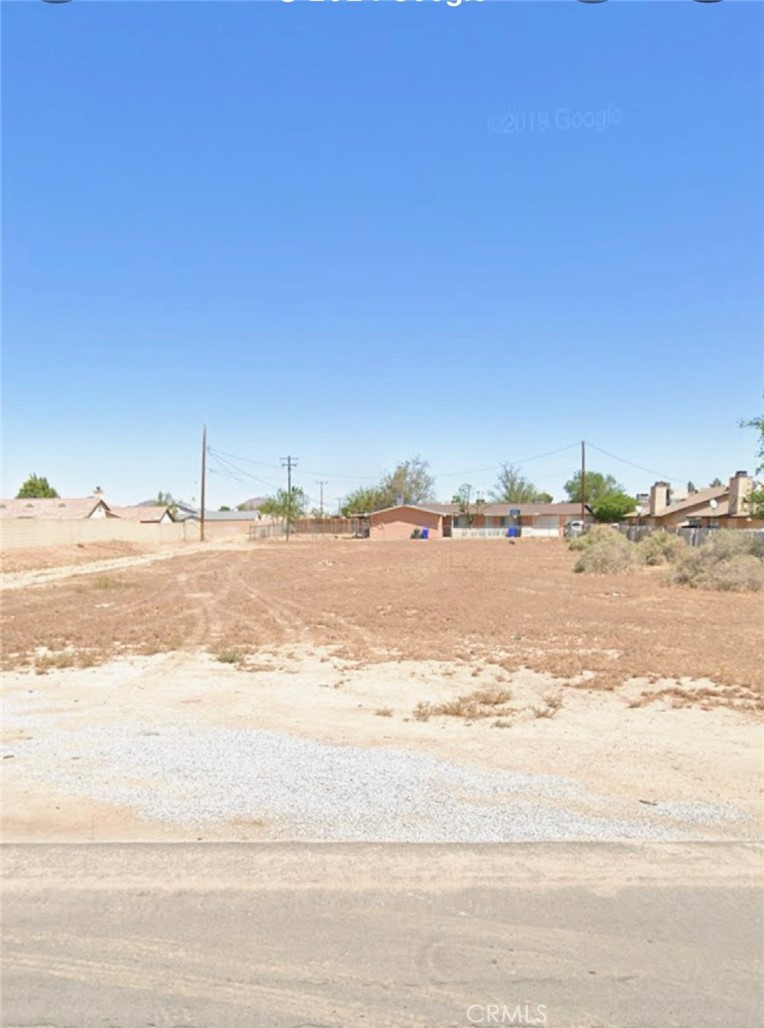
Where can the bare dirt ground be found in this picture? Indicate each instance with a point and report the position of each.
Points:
(512, 606)
(635, 703)
(39, 557)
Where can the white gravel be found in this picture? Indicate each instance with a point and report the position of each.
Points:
(197, 776)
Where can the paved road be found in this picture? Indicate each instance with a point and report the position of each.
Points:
(281, 936)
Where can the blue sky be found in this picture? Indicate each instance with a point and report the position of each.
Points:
(358, 232)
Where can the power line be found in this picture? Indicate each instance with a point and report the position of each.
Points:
(640, 467)
(236, 472)
(525, 460)
(247, 460)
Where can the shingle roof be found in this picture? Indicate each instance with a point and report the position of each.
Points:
(142, 512)
(58, 509)
(494, 509)
(699, 499)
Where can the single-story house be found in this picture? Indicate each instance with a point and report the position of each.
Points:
(57, 509)
(444, 520)
(143, 513)
(231, 516)
(723, 506)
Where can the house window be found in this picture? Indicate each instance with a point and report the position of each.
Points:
(503, 522)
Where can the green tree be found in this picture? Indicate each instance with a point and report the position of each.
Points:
(691, 488)
(512, 487)
(755, 499)
(362, 501)
(598, 486)
(36, 488)
(223, 508)
(716, 484)
(613, 507)
(411, 481)
(468, 505)
(288, 506)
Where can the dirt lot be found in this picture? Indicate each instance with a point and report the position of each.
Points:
(39, 557)
(351, 690)
(513, 606)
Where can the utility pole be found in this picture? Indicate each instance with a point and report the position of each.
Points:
(204, 480)
(289, 463)
(321, 502)
(583, 482)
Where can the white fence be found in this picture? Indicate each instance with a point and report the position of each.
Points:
(501, 533)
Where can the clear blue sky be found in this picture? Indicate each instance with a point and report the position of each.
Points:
(355, 232)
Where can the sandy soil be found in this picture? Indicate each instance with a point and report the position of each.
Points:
(513, 606)
(34, 558)
(644, 694)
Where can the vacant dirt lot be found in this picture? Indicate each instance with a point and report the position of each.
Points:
(513, 606)
(39, 557)
(352, 691)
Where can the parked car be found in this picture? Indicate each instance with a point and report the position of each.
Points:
(574, 529)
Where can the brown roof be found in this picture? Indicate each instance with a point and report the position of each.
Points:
(699, 499)
(494, 509)
(52, 510)
(140, 513)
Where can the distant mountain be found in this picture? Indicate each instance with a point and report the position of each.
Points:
(254, 504)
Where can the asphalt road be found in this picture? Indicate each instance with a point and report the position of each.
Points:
(281, 936)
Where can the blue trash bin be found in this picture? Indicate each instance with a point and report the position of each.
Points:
(425, 533)
(513, 532)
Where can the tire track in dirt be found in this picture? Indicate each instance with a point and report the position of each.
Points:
(286, 617)
(298, 993)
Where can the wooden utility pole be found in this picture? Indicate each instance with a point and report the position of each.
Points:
(204, 481)
(289, 463)
(583, 481)
(321, 501)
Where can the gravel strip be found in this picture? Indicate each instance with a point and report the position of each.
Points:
(196, 776)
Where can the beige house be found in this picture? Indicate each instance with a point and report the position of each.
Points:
(723, 506)
(57, 509)
(145, 515)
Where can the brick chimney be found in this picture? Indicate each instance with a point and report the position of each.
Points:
(659, 498)
(741, 485)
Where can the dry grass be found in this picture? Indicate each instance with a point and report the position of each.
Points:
(476, 705)
(552, 703)
(231, 657)
(384, 712)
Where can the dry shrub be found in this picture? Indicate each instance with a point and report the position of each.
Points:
(552, 703)
(480, 704)
(730, 561)
(661, 548)
(384, 712)
(594, 535)
(422, 711)
(609, 553)
(230, 657)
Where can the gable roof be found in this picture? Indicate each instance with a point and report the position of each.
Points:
(702, 498)
(57, 509)
(141, 512)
